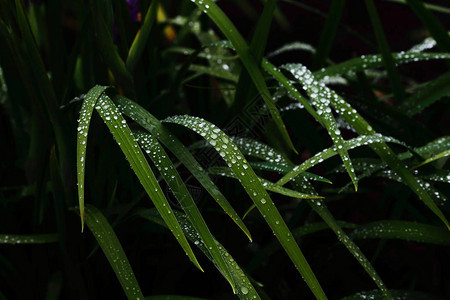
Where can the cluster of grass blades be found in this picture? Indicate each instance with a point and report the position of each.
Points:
(202, 114)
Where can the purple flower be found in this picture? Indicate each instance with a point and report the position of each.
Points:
(134, 10)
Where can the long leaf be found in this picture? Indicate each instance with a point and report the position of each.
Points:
(411, 231)
(160, 158)
(125, 139)
(253, 68)
(154, 126)
(108, 241)
(236, 161)
(15, 239)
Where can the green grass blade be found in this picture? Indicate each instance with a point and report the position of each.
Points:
(434, 158)
(16, 239)
(410, 231)
(276, 73)
(319, 95)
(236, 161)
(328, 33)
(125, 139)
(86, 111)
(435, 27)
(388, 61)
(292, 47)
(155, 127)
(244, 288)
(429, 93)
(330, 152)
(161, 160)
(108, 241)
(359, 64)
(356, 121)
(140, 40)
(270, 186)
(253, 69)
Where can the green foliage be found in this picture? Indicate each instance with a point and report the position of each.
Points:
(275, 132)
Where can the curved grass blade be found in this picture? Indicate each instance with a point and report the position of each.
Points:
(283, 170)
(242, 49)
(118, 127)
(236, 161)
(108, 241)
(161, 160)
(140, 40)
(410, 231)
(356, 121)
(319, 95)
(86, 111)
(359, 64)
(330, 152)
(15, 239)
(434, 158)
(214, 71)
(270, 186)
(154, 126)
(292, 47)
(244, 288)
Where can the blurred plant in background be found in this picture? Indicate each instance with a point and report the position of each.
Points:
(337, 135)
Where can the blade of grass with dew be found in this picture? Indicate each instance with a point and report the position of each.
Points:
(155, 127)
(319, 95)
(434, 26)
(267, 166)
(359, 64)
(161, 160)
(388, 61)
(328, 33)
(330, 152)
(140, 41)
(429, 93)
(15, 239)
(242, 49)
(276, 73)
(236, 161)
(270, 186)
(86, 111)
(403, 230)
(434, 158)
(108, 241)
(244, 288)
(125, 139)
(356, 121)
(292, 47)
